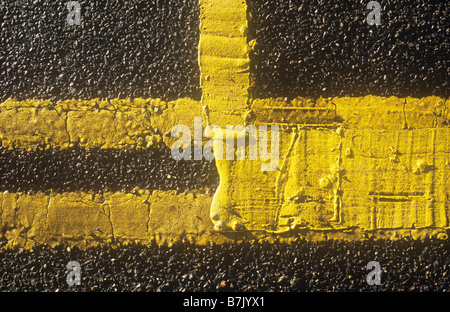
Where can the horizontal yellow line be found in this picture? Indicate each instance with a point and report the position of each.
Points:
(299, 108)
(369, 112)
(87, 219)
(116, 123)
(142, 123)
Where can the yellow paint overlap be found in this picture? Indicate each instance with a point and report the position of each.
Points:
(369, 163)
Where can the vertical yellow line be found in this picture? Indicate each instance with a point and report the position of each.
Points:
(224, 60)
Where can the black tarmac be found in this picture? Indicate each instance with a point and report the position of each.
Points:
(406, 266)
(314, 48)
(96, 169)
(121, 49)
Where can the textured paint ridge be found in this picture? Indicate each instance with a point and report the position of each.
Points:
(324, 142)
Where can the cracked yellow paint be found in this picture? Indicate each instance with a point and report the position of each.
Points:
(117, 124)
(88, 219)
(339, 175)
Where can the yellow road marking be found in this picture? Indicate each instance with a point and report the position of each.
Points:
(349, 167)
(87, 219)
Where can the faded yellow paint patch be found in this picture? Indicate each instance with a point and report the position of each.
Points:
(118, 124)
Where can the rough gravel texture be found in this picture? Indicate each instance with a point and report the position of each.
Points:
(407, 265)
(98, 169)
(316, 48)
(145, 49)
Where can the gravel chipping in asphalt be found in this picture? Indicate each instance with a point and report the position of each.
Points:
(123, 49)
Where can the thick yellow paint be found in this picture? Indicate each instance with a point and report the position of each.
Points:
(362, 165)
(346, 164)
